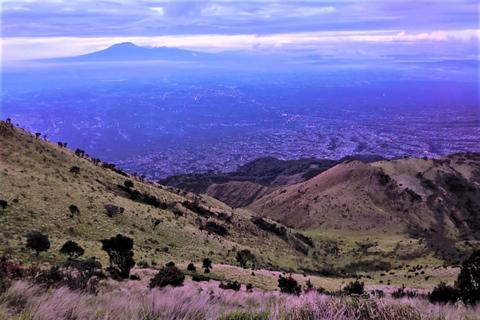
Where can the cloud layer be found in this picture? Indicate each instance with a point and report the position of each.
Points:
(45, 28)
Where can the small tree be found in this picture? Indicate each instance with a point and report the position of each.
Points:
(244, 256)
(3, 205)
(469, 279)
(207, 263)
(289, 285)
(167, 276)
(72, 249)
(75, 170)
(128, 184)
(37, 135)
(191, 267)
(120, 252)
(38, 241)
(74, 210)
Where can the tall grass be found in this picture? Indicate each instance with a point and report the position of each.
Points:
(205, 301)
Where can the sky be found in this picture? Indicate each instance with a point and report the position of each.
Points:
(441, 29)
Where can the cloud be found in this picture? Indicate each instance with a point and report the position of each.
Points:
(329, 42)
(332, 25)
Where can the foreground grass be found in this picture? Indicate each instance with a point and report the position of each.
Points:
(205, 301)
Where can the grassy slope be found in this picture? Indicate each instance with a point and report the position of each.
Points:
(37, 173)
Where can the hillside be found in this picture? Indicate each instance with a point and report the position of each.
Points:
(437, 200)
(257, 178)
(166, 223)
(352, 217)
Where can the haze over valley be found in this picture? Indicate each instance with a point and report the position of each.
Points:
(161, 118)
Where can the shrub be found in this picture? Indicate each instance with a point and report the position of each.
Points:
(14, 271)
(74, 210)
(38, 241)
(269, 226)
(75, 170)
(170, 264)
(120, 253)
(128, 184)
(191, 267)
(7, 271)
(46, 277)
(80, 273)
(249, 287)
(230, 286)
(244, 256)
(383, 178)
(354, 287)
(305, 239)
(199, 278)
(72, 249)
(207, 263)
(3, 205)
(289, 285)
(245, 316)
(113, 210)
(213, 227)
(443, 293)
(469, 279)
(167, 276)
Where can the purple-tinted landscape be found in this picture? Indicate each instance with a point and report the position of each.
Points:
(240, 160)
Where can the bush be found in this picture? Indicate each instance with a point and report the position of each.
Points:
(200, 278)
(207, 263)
(443, 293)
(167, 276)
(213, 227)
(244, 256)
(73, 210)
(80, 274)
(72, 249)
(3, 205)
(469, 279)
(75, 170)
(8, 271)
(128, 184)
(113, 210)
(289, 285)
(245, 316)
(38, 241)
(354, 287)
(170, 264)
(120, 252)
(47, 277)
(191, 267)
(249, 287)
(230, 286)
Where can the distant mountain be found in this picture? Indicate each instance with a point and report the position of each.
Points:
(128, 51)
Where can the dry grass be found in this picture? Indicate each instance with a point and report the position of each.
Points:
(205, 301)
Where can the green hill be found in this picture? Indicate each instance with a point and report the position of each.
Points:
(39, 187)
